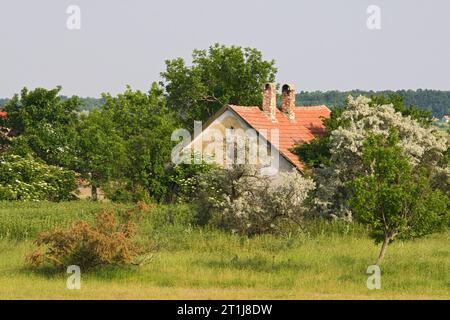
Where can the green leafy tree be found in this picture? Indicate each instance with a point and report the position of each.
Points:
(392, 198)
(101, 150)
(145, 125)
(44, 125)
(218, 76)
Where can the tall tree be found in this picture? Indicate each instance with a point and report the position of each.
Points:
(101, 150)
(145, 125)
(218, 76)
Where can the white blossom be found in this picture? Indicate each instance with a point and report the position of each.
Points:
(420, 144)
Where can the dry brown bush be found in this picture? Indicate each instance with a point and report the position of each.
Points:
(106, 242)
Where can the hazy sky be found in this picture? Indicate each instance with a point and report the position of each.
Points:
(317, 44)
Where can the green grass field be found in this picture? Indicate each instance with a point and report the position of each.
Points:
(326, 262)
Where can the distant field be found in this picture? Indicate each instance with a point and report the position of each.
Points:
(191, 263)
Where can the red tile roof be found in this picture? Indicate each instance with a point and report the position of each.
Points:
(3, 114)
(307, 125)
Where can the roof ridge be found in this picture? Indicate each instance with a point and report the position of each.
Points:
(234, 105)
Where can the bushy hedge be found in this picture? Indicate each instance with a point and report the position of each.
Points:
(26, 179)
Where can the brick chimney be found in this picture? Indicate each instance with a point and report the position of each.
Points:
(288, 100)
(269, 105)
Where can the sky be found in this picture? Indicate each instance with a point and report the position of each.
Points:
(317, 44)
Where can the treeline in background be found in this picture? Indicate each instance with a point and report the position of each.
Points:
(436, 101)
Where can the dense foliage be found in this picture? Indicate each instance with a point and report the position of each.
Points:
(218, 76)
(435, 101)
(100, 150)
(391, 197)
(26, 179)
(44, 125)
(145, 126)
(382, 164)
(360, 119)
(317, 153)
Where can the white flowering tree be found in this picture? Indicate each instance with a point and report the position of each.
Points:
(360, 120)
(241, 200)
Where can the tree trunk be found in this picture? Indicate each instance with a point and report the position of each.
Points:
(94, 194)
(386, 241)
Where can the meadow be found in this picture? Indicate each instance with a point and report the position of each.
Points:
(324, 261)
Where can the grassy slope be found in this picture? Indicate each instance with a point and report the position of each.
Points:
(191, 264)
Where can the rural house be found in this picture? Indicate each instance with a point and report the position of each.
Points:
(281, 128)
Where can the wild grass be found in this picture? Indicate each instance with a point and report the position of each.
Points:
(24, 220)
(322, 262)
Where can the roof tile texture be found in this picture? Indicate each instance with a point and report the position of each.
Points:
(307, 125)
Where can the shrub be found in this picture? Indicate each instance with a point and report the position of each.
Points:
(241, 200)
(184, 178)
(28, 179)
(104, 243)
(123, 191)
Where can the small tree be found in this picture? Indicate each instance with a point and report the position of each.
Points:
(393, 199)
